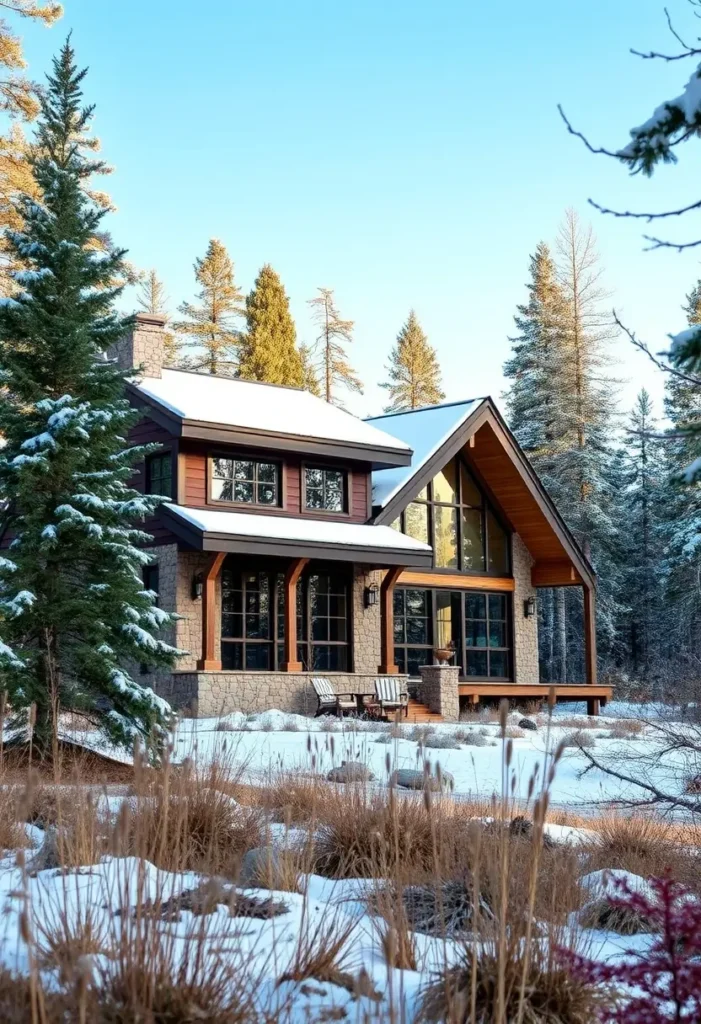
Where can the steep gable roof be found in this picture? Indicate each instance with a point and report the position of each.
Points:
(439, 433)
(263, 415)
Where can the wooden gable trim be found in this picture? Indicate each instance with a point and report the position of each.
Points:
(487, 413)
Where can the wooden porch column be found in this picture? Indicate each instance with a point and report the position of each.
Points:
(207, 662)
(387, 666)
(590, 645)
(294, 571)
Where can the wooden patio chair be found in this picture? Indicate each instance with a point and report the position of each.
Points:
(329, 700)
(390, 696)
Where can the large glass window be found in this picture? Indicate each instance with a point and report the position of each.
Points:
(324, 489)
(245, 481)
(413, 629)
(487, 644)
(475, 625)
(452, 515)
(159, 475)
(253, 620)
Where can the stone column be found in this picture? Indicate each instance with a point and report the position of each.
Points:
(526, 668)
(439, 690)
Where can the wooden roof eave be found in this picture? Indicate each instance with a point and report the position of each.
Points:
(487, 413)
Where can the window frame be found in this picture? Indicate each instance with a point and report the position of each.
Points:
(162, 458)
(346, 484)
(486, 505)
(460, 656)
(275, 640)
(257, 461)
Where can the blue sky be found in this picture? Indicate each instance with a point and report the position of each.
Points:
(403, 153)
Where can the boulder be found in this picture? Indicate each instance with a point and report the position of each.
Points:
(264, 867)
(350, 771)
(528, 723)
(408, 778)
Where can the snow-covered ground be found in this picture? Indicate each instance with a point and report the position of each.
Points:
(272, 743)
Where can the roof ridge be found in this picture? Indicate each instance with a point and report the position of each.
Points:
(427, 408)
(234, 380)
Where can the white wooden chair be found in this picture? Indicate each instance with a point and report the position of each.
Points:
(329, 700)
(390, 696)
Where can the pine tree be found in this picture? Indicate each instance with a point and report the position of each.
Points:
(682, 511)
(310, 381)
(336, 371)
(415, 376)
(268, 348)
(73, 609)
(640, 544)
(211, 325)
(152, 298)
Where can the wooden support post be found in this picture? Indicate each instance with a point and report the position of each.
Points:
(387, 666)
(294, 571)
(207, 662)
(590, 645)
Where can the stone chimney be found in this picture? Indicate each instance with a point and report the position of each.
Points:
(142, 346)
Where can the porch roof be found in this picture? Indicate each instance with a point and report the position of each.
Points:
(287, 536)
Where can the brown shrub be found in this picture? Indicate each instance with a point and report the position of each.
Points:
(645, 846)
(551, 992)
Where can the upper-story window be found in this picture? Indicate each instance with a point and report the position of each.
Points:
(159, 475)
(245, 481)
(324, 489)
(452, 515)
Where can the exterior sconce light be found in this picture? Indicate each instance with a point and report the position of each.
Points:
(529, 607)
(197, 586)
(370, 596)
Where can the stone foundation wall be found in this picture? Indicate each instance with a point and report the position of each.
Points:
(219, 693)
(525, 629)
(439, 690)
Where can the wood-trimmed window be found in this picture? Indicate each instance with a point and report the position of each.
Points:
(242, 481)
(476, 625)
(159, 474)
(253, 620)
(452, 515)
(325, 489)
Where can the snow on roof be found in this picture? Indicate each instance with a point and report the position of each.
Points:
(266, 407)
(289, 528)
(424, 431)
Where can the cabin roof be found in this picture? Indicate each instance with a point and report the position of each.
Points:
(229, 409)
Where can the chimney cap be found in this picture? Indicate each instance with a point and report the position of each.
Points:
(154, 319)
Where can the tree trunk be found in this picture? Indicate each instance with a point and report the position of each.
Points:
(561, 635)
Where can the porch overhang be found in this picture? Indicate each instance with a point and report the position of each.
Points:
(248, 533)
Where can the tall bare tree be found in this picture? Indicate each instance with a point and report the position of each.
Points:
(336, 371)
(152, 298)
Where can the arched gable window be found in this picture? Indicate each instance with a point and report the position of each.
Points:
(452, 514)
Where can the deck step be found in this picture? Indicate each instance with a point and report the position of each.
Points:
(421, 714)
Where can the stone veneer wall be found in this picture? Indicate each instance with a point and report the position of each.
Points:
(219, 693)
(439, 690)
(366, 621)
(143, 346)
(525, 629)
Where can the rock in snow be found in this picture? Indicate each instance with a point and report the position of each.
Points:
(527, 723)
(408, 778)
(350, 771)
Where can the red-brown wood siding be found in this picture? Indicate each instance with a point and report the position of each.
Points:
(359, 496)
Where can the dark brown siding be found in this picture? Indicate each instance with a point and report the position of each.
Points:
(194, 488)
(148, 432)
(359, 495)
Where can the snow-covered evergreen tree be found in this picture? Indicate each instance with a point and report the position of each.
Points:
(640, 543)
(73, 609)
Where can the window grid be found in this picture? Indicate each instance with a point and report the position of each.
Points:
(253, 621)
(159, 475)
(325, 489)
(245, 482)
(481, 630)
(453, 516)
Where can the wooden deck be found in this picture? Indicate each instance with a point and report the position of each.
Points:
(595, 695)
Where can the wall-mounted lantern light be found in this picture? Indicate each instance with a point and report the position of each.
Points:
(529, 607)
(370, 596)
(197, 586)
